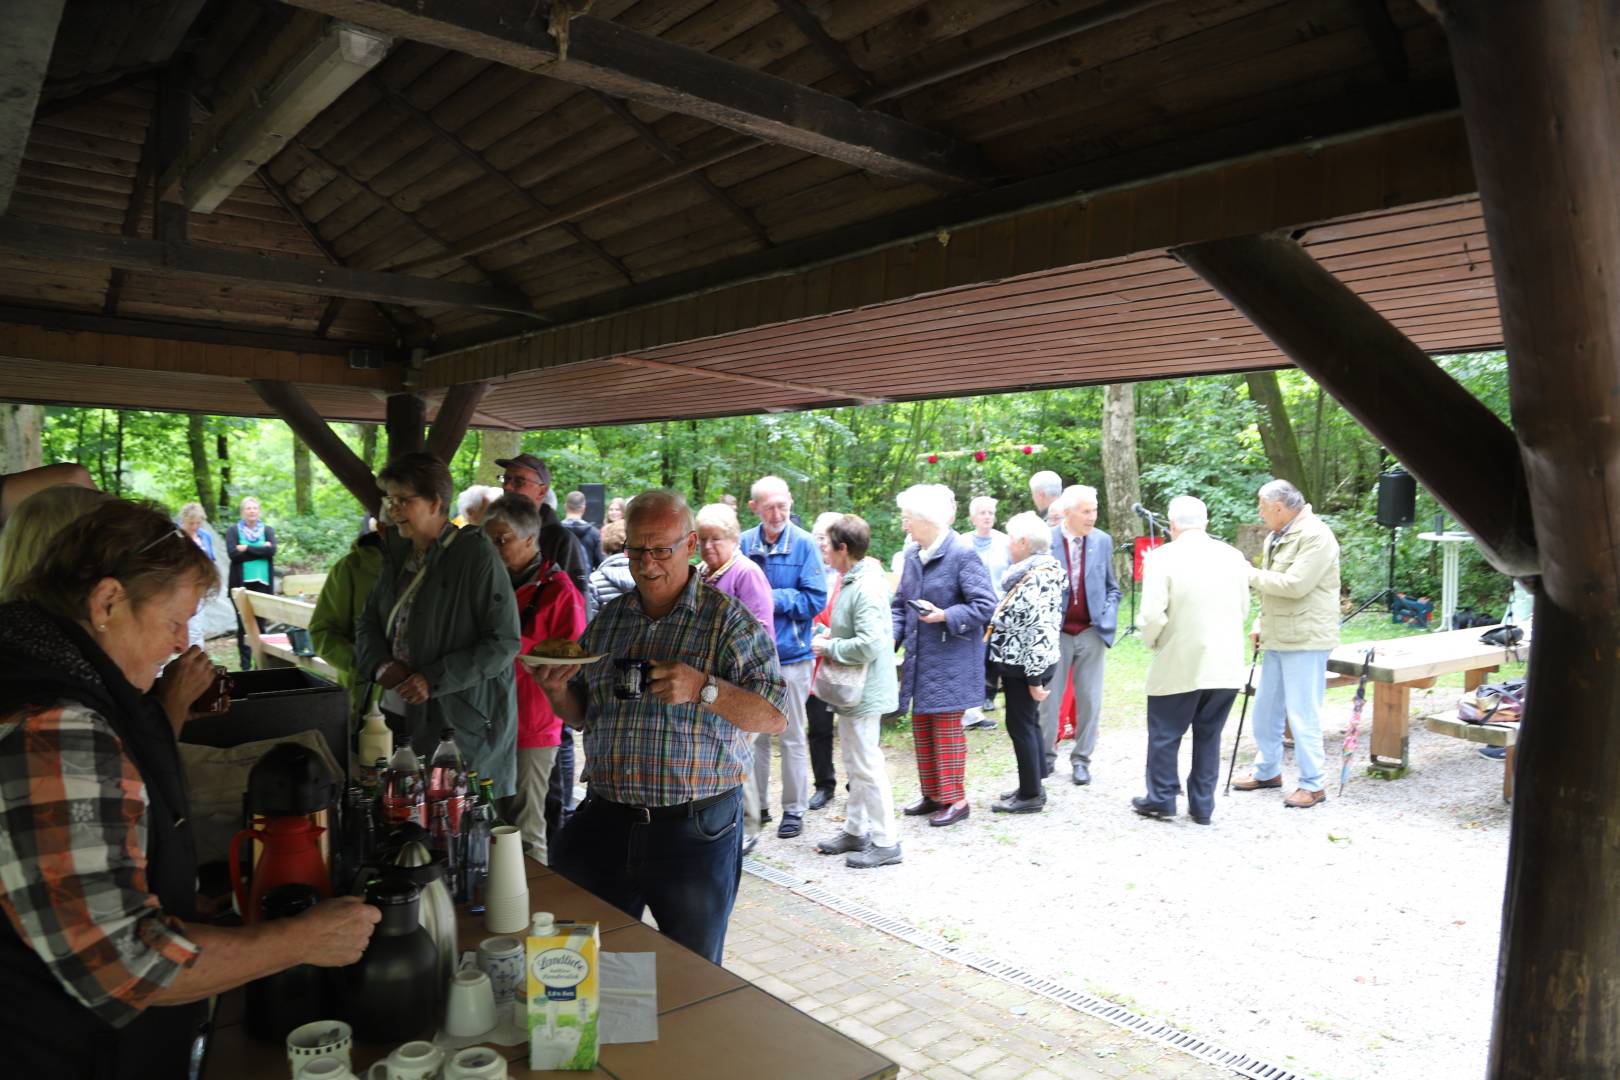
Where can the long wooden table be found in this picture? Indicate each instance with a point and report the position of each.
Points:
(1400, 665)
(712, 1024)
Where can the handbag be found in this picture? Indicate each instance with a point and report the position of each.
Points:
(840, 685)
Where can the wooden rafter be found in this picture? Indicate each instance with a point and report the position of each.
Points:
(290, 404)
(25, 53)
(673, 156)
(605, 56)
(830, 47)
(234, 268)
(746, 380)
(468, 154)
(454, 415)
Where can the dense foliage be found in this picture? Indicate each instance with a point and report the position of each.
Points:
(1201, 436)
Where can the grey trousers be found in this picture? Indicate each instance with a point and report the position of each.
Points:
(795, 748)
(1080, 658)
(1168, 718)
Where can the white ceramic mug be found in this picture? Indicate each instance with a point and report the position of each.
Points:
(411, 1061)
(470, 1009)
(476, 1063)
(501, 958)
(327, 1068)
(318, 1039)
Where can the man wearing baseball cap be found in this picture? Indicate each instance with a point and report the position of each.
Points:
(529, 476)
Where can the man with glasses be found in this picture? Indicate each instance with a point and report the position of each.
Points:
(530, 477)
(669, 743)
(792, 563)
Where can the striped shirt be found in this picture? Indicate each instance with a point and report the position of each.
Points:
(73, 865)
(645, 752)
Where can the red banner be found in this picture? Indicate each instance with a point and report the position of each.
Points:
(1139, 548)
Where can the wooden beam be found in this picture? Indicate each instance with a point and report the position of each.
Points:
(455, 413)
(404, 424)
(673, 156)
(1385, 38)
(603, 55)
(144, 174)
(1448, 439)
(25, 54)
(233, 268)
(746, 380)
(306, 67)
(289, 404)
(1544, 144)
(199, 332)
(825, 43)
(171, 117)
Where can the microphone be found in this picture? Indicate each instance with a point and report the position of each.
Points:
(1142, 512)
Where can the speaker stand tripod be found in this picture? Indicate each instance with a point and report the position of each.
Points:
(1386, 595)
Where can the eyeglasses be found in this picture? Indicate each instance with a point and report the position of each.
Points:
(172, 532)
(509, 480)
(657, 554)
(393, 501)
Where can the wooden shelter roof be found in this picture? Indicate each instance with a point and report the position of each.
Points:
(887, 199)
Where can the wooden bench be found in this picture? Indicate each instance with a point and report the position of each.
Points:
(1489, 734)
(273, 650)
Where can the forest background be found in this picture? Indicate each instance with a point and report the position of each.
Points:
(1217, 437)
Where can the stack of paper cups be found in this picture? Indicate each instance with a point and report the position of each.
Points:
(506, 897)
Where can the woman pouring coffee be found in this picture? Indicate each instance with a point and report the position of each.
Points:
(101, 962)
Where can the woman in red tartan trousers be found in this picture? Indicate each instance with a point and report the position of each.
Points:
(940, 611)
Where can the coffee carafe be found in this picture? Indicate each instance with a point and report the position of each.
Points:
(276, 1004)
(289, 783)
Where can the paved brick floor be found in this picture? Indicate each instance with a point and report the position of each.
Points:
(934, 1017)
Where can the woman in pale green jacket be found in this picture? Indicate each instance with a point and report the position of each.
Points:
(861, 631)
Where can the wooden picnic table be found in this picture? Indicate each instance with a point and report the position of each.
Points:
(1400, 665)
(712, 1024)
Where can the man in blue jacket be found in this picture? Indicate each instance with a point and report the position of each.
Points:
(1090, 616)
(792, 563)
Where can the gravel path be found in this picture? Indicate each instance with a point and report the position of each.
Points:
(1354, 939)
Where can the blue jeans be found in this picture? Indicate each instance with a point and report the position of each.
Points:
(684, 869)
(1291, 686)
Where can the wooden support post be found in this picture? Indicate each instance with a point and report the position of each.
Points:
(405, 416)
(173, 122)
(1544, 144)
(25, 53)
(1445, 436)
(334, 453)
(455, 413)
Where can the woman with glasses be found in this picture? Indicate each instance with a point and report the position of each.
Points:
(440, 628)
(549, 607)
(101, 950)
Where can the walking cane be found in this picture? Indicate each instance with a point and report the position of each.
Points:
(1248, 690)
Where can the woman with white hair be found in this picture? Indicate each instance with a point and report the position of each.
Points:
(192, 518)
(939, 613)
(470, 504)
(1023, 649)
(990, 545)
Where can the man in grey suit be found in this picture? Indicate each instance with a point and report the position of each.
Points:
(1089, 620)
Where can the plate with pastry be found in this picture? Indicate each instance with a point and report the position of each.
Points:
(555, 652)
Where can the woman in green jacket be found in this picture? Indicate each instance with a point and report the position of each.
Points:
(440, 629)
(861, 632)
(338, 610)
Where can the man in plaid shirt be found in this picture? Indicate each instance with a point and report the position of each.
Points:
(662, 826)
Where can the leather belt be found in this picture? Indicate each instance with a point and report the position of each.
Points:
(649, 814)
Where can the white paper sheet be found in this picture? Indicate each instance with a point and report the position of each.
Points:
(629, 998)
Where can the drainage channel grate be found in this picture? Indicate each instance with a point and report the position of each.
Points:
(1079, 1000)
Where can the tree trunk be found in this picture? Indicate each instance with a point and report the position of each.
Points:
(496, 444)
(223, 447)
(20, 426)
(1276, 432)
(118, 476)
(1120, 476)
(368, 445)
(303, 504)
(196, 441)
(666, 460)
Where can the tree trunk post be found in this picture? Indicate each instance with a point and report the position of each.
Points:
(20, 427)
(1121, 479)
(197, 445)
(496, 444)
(1537, 84)
(303, 503)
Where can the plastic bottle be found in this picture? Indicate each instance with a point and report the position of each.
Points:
(447, 779)
(404, 797)
(376, 741)
(474, 862)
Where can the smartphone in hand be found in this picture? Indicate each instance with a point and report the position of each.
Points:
(921, 607)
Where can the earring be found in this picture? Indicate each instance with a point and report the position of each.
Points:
(102, 627)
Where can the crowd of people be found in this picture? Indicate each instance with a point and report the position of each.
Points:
(711, 650)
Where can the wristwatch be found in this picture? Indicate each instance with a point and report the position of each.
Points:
(710, 692)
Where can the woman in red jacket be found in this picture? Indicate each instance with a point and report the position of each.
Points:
(549, 606)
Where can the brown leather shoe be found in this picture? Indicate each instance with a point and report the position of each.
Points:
(1249, 783)
(922, 806)
(950, 815)
(1302, 799)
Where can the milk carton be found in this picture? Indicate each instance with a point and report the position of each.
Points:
(561, 966)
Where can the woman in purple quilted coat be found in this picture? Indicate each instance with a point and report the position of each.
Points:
(940, 611)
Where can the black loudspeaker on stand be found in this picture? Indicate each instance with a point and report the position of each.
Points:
(1397, 507)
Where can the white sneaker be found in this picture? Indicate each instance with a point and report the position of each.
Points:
(972, 716)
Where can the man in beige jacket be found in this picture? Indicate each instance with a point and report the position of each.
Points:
(1298, 583)
(1195, 597)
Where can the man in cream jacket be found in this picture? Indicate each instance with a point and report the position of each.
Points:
(1298, 583)
(1195, 598)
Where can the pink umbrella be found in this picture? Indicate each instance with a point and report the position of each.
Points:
(1354, 729)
